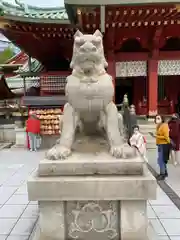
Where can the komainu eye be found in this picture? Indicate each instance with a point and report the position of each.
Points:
(96, 41)
(79, 41)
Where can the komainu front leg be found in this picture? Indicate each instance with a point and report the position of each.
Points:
(118, 148)
(63, 149)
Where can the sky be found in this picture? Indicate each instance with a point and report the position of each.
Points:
(42, 3)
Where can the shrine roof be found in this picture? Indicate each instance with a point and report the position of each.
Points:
(36, 66)
(19, 58)
(27, 13)
(118, 2)
(17, 81)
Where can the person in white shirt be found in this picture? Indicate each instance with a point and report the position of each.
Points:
(139, 142)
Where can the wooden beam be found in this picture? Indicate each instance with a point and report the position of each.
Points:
(135, 56)
(162, 55)
(4, 23)
(169, 55)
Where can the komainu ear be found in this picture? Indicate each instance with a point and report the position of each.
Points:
(98, 34)
(78, 34)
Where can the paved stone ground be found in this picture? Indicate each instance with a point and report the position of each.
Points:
(18, 216)
(174, 172)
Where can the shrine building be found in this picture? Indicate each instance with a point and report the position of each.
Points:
(141, 43)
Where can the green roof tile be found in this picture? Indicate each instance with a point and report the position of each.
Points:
(28, 13)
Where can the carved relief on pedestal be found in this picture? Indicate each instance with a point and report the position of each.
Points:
(93, 219)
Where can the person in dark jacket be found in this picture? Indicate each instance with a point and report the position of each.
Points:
(174, 134)
(33, 129)
(178, 105)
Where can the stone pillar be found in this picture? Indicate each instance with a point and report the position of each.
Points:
(21, 138)
(133, 215)
(152, 87)
(112, 68)
(109, 40)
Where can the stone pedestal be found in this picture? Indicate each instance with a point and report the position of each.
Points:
(21, 138)
(92, 196)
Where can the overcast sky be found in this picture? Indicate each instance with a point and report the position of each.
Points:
(42, 3)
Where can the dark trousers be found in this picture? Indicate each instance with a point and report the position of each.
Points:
(161, 160)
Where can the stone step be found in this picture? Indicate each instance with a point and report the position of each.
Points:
(147, 128)
(149, 138)
(153, 146)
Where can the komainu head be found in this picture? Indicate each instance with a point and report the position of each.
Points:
(88, 53)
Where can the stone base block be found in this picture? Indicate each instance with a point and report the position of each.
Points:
(103, 220)
(101, 164)
(67, 188)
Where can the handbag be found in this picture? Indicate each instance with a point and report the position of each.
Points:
(172, 143)
(38, 141)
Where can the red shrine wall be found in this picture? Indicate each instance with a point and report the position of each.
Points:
(139, 87)
(144, 87)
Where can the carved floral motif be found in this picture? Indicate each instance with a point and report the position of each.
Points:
(91, 217)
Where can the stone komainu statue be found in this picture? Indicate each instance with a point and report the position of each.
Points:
(89, 91)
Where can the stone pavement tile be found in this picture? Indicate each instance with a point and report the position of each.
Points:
(12, 211)
(172, 226)
(18, 199)
(6, 193)
(175, 238)
(6, 225)
(24, 227)
(21, 156)
(174, 184)
(151, 213)
(15, 237)
(3, 237)
(31, 212)
(166, 211)
(162, 198)
(3, 177)
(22, 190)
(33, 203)
(15, 181)
(14, 166)
(158, 228)
(163, 238)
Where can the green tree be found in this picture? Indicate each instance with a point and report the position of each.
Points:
(6, 55)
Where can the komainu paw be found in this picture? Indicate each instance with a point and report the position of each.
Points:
(123, 151)
(116, 152)
(58, 152)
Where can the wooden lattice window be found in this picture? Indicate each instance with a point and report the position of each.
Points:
(53, 84)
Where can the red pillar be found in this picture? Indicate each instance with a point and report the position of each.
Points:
(111, 69)
(152, 87)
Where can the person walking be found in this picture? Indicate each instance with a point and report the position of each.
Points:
(174, 134)
(33, 131)
(163, 145)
